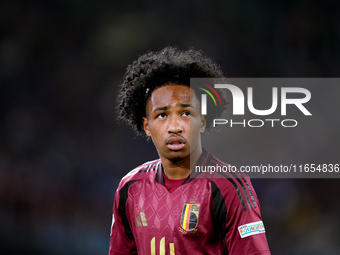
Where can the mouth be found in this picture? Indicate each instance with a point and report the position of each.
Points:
(175, 143)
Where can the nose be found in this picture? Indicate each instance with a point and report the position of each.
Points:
(175, 125)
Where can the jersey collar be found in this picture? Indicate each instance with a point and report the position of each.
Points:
(203, 159)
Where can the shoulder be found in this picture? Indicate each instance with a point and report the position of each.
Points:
(228, 182)
(215, 169)
(147, 170)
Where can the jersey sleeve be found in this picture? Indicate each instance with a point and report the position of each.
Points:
(121, 237)
(237, 216)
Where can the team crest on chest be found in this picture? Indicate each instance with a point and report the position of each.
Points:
(189, 217)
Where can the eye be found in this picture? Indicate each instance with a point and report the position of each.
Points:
(186, 113)
(161, 115)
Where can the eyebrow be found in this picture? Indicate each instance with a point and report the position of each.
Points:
(163, 108)
(186, 105)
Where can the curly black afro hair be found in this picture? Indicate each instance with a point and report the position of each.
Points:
(155, 69)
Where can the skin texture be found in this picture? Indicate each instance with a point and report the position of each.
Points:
(173, 117)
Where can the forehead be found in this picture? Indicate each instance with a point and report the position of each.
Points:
(169, 94)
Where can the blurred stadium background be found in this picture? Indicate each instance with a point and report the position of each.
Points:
(62, 153)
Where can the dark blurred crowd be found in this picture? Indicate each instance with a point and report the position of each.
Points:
(62, 153)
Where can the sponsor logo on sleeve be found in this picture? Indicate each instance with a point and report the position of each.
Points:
(250, 229)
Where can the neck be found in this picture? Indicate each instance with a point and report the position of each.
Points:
(180, 168)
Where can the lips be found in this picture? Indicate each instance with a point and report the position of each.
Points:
(175, 143)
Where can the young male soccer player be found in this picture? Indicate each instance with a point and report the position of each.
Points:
(159, 208)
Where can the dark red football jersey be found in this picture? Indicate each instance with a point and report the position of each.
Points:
(208, 214)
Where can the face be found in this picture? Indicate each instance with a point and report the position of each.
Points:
(174, 122)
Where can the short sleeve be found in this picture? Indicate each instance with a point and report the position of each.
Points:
(237, 216)
(121, 237)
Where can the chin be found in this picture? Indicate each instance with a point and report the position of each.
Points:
(178, 155)
(176, 160)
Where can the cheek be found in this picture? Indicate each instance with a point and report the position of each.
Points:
(195, 125)
(155, 130)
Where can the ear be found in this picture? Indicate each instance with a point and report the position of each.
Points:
(146, 127)
(203, 123)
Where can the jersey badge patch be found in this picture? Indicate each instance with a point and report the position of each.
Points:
(250, 229)
(189, 218)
